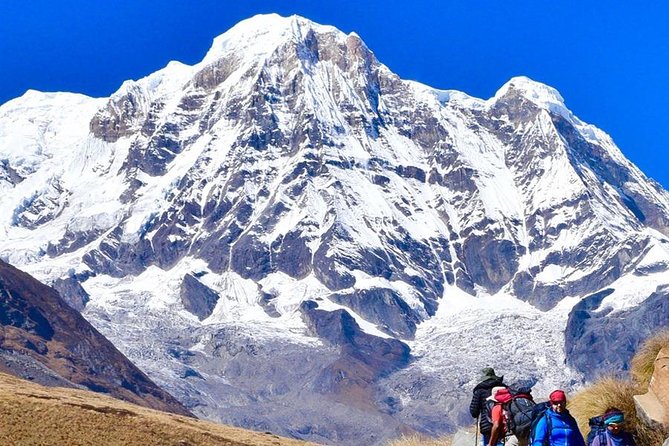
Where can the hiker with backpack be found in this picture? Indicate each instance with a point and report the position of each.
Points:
(511, 416)
(607, 430)
(554, 425)
(477, 407)
(498, 397)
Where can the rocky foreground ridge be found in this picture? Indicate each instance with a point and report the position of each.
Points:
(288, 237)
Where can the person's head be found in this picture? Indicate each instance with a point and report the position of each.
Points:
(500, 394)
(488, 373)
(558, 401)
(614, 419)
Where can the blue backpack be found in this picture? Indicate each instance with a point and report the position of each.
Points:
(539, 412)
(597, 429)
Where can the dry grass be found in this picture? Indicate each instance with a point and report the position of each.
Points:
(605, 393)
(612, 392)
(643, 362)
(420, 440)
(465, 435)
(32, 415)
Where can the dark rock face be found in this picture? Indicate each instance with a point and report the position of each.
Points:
(41, 208)
(209, 78)
(292, 255)
(35, 322)
(490, 262)
(8, 174)
(598, 343)
(197, 298)
(72, 292)
(117, 258)
(251, 258)
(330, 268)
(363, 357)
(153, 153)
(18, 313)
(121, 117)
(340, 329)
(71, 241)
(384, 308)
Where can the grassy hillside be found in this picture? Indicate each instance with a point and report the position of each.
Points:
(31, 414)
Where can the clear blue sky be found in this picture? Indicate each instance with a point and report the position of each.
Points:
(608, 59)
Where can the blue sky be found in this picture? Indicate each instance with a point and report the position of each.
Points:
(608, 59)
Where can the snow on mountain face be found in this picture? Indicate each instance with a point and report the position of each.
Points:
(288, 222)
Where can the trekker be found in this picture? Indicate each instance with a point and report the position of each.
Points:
(614, 434)
(500, 396)
(511, 415)
(557, 427)
(477, 407)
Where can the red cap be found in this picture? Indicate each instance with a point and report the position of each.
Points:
(503, 395)
(557, 396)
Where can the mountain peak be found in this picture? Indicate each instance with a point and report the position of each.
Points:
(260, 34)
(540, 94)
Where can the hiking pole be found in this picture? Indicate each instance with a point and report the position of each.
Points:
(476, 436)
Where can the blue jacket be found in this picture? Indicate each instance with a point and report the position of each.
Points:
(564, 430)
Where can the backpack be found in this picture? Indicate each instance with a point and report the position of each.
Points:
(539, 412)
(597, 429)
(519, 413)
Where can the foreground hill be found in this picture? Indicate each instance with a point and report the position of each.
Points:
(31, 414)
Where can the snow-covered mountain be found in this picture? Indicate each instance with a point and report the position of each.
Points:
(289, 237)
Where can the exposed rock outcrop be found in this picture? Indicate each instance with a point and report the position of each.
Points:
(589, 325)
(363, 357)
(197, 298)
(653, 406)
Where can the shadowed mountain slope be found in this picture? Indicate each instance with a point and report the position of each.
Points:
(44, 339)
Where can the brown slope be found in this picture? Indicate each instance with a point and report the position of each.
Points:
(31, 414)
(43, 338)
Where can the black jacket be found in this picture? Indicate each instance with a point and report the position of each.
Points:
(477, 406)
